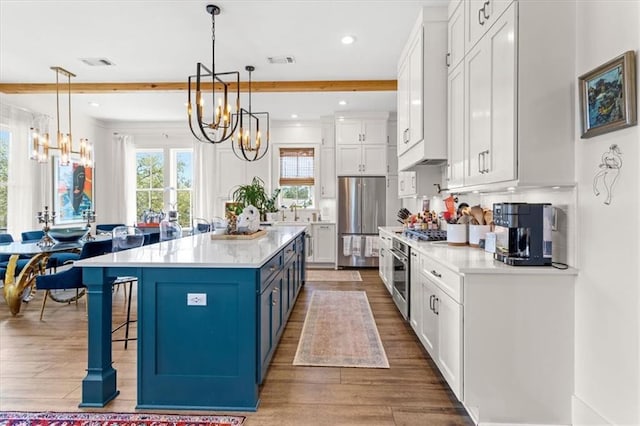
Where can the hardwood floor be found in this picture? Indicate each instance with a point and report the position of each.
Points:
(42, 365)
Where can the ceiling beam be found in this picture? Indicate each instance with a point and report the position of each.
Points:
(256, 86)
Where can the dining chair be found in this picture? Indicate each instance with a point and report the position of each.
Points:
(200, 226)
(125, 238)
(106, 228)
(70, 278)
(4, 258)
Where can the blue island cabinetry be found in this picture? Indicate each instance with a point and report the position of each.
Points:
(210, 316)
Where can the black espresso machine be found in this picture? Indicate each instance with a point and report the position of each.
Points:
(523, 233)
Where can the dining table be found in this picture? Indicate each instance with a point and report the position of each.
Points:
(16, 287)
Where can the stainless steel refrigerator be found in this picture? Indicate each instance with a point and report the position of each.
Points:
(361, 209)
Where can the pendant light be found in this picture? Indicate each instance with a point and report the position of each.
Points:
(39, 136)
(250, 143)
(220, 125)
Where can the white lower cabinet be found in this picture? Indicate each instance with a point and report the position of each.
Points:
(323, 241)
(436, 317)
(385, 264)
(505, 359)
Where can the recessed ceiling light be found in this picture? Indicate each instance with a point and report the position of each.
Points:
(555, 187)
(342, 103)
(348, 39)
(476, 191)
(511, 188)
(94, 104)
(294, 115)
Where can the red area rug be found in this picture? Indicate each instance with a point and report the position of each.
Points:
(17, 418)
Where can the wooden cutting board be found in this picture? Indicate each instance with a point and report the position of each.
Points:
(256, 234)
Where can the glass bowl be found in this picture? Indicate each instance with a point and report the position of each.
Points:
(68, 234)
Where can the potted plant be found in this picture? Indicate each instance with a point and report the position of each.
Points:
(251, 194)
(271, 206)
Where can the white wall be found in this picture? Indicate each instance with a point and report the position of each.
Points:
(607, 351)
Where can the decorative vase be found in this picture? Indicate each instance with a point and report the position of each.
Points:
(457, 234)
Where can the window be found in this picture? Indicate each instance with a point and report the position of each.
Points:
(182, 165)
(149, 181)
(296, 176)
(164, 181)
(4, 177)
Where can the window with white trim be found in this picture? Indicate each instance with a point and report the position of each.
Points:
(297, 166)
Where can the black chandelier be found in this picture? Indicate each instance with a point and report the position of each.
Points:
(223, 121)
(248, 141)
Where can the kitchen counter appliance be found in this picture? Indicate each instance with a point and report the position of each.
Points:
(523, 233)
(401, 276)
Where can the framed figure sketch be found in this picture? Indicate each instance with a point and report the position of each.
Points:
(608, 96)
(73, 191)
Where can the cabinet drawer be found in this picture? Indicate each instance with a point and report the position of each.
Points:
(273, 266)
(289, 252)
(449, 281)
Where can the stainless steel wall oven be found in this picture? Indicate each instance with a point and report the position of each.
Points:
(401, 274)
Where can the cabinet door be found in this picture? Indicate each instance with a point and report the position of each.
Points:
(449, 314)
(265, 323)
(328, 133)
(477, 22)
(348, 132)
(348, 160)
(324, 240)
(374, 132)
(415, 294)
(327, 172)
(455, 122)
(374, 160)
(393, 201)
(416, 91)
(499, 163)
(478, 110)
(455, 30)
(382, 264)
(403, 108)
(429, 328)
(276, 308)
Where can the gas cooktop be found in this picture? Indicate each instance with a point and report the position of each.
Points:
(426, 234)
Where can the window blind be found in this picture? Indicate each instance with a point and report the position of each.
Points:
(296, 166)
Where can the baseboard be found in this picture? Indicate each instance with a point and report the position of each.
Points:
(584, 415)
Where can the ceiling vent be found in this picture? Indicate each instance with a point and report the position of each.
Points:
(281, 60)
(97, 62)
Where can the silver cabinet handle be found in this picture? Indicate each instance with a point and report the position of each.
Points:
(485, 169)
(479, 166)
(484, 9)
(433, 296)
(324, 227)
(448, 56)
(436, 309)
(436, 274)
(364, 167)
(272, 268)
(364, 137)
(480, 15)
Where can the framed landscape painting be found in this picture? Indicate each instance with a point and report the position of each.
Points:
(608, 96)
(73, 191)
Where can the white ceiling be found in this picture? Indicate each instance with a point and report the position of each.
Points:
(162, 41)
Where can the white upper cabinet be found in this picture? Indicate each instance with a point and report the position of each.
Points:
(455, 32)
(505, 128)
(481, 15)
(361, 146)
(491, 91)
(422, 92)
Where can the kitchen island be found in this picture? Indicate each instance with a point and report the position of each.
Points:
(210, 315)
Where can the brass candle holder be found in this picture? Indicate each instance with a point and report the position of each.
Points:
(90, 217)
(46, 217)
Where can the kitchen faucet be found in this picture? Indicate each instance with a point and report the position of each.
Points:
(294, 209)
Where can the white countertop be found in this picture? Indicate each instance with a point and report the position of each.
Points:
(200, 251)
(465, 259)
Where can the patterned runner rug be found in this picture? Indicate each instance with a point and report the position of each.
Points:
(339, 331)
(17, 418)
(331, 275)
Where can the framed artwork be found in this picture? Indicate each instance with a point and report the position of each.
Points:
(608, 96)
(73, 191)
